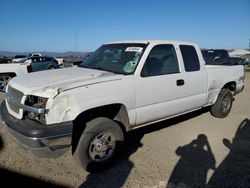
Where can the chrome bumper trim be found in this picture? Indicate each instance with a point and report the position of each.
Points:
(25, 107)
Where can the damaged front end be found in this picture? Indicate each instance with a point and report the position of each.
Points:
(32, 105)
(39, 108)
(25, 119)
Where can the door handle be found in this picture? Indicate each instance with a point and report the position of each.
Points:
(180, 82)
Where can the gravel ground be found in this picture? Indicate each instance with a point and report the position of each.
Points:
(190, 150)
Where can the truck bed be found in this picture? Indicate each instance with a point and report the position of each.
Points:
(217, 75)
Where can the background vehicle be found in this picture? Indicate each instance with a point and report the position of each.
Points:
(4, 59)
(76, 63)
(59, 60)
(71, 63)
(215, 53)
(18, 58)
(122, 86)
(235, 61)
(32, 64)
(39, 63)
(34, 55)
(246, 59)
(220, 57)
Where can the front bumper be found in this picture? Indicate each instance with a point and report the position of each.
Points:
(42, 140)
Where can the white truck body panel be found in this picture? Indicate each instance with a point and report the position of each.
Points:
(171, 99)
(17, 68)
(219, 75)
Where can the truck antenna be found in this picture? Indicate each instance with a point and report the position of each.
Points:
(76, 43)
(249, 45)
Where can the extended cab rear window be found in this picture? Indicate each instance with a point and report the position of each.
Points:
(190, 58)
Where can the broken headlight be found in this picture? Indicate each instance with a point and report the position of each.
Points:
(38, 103)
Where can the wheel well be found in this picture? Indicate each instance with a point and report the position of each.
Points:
(116, 112)
(231, 86)
(12, 74)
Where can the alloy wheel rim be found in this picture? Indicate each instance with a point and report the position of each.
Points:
(102, 146)
(226, 103)
(3, 82)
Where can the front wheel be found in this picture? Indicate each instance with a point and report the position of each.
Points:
(223, 104)
(99, 144)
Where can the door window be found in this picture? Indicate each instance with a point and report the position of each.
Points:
(161, 60)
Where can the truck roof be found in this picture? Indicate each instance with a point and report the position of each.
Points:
(214, 50)
(153, 42)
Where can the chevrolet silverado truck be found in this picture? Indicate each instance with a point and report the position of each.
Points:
(122, 86)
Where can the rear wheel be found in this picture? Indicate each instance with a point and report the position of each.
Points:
(4, 79)
(52, 67)
(99, 144)
(223, 104)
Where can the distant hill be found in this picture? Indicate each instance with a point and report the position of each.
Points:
(54, 54)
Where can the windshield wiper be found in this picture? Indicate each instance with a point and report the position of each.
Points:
(108, 70)
(98, 68)
(101, 68)
(85, 66)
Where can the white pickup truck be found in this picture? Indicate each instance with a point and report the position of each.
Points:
(31, 64)
(122, 86)
(10, 70)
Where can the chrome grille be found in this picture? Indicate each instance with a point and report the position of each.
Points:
(13, 107)
(17, 95)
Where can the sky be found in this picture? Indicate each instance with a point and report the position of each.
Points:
(83, 25)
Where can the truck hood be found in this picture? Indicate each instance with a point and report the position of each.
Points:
(50, 83)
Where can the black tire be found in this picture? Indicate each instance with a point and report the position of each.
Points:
(4, 79)
(84, 154)
(223, 104)
(52, 67)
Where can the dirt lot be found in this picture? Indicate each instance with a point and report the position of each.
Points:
(153, 156)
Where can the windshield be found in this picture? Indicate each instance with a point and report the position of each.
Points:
(117, 58)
